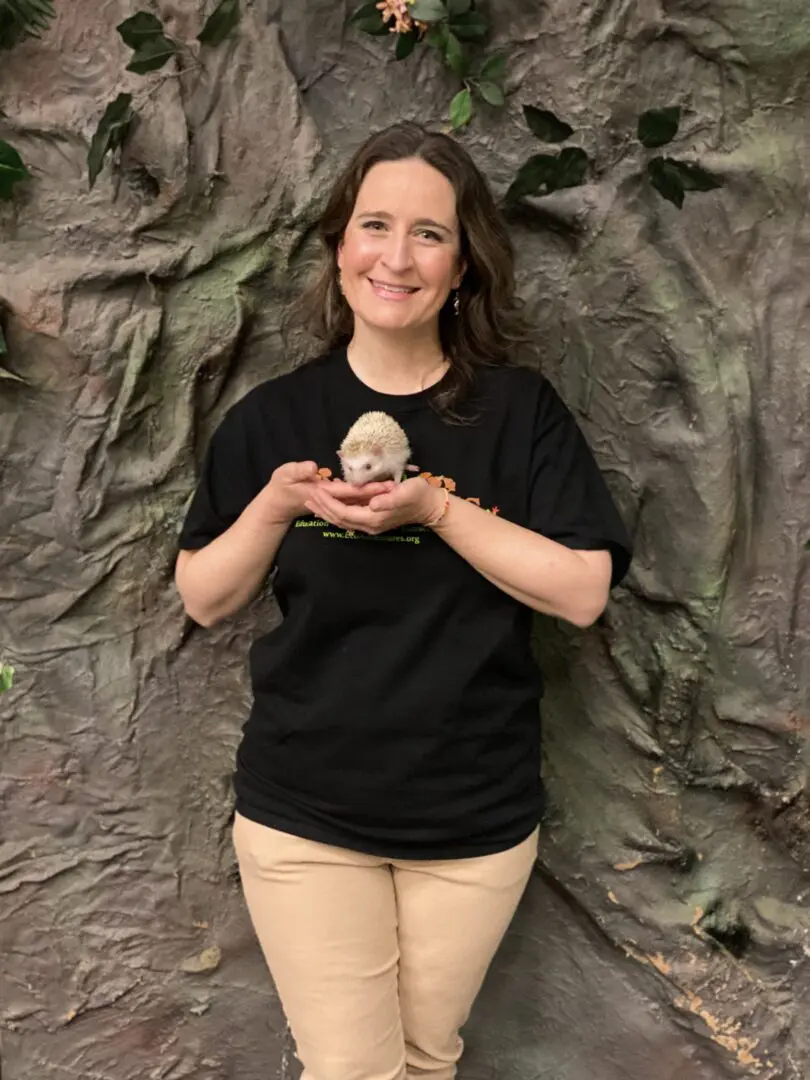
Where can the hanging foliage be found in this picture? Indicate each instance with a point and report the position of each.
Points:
(222, 21)
(451, 27)
(544, 173)
(110, 133)
(671, 177)
(6, 677)
(12, 170)
(20, 19)
(152, 48)
(143, 33)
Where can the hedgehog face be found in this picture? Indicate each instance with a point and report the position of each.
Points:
(365, 468)
(400, 254)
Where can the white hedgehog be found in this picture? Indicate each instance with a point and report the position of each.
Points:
(375, 448)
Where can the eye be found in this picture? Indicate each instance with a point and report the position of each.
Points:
(429, 234)
(367, 467)
(373, 225)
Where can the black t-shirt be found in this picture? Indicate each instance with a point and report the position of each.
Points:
(396, 705)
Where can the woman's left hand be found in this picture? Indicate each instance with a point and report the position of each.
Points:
(412, 502)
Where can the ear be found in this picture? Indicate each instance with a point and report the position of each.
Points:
(340, 454)
(462, 270)
(376, 450)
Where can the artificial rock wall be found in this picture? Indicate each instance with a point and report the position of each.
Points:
(666, 935)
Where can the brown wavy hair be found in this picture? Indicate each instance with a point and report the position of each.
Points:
(489, 328)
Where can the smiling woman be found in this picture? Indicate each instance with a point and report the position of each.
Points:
(413, 216)
(400, 254)
(388, 782)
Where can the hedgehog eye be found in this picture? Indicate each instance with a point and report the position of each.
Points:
(367, 466)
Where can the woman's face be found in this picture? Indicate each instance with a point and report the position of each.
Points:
(400, 254)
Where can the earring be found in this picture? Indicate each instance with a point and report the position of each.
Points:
(340, 283)
(456, 304)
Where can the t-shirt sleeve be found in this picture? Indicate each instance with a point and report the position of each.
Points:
(228, 481)
(569, 500)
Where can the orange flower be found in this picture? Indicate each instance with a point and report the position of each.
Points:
(404, 22)
(398, 11)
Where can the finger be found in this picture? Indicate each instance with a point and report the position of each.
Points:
(332, 510)
(348, 516)
(323, 515)
(399, 497)
(339, 489)
(381, 503)
(298, 471)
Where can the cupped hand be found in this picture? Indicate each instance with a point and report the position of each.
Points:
(413, 502)
(290, 487)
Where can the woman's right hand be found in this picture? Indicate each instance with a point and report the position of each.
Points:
(293, 484)
(287, 491)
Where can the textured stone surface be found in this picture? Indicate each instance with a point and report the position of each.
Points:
(666, 934)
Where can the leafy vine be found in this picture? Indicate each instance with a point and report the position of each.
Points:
(451, 27)
(151, 48)
(545, 173)
(19, 19)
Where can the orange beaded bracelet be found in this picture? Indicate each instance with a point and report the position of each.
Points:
(440, 516)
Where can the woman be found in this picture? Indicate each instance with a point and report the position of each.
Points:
(388, 791)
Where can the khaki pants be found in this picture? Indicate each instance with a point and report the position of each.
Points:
(377, 961)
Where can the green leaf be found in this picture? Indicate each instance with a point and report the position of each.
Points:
(152, 55)
(140, 27)
(657, 127)
(437, 36)
(455, 57)
(6, 677)
(427, 10)
(110, 133)
(693, 177)
(546, 126)
(533, 175)
(220, 23)
(20, 19)
(458, 7)
(368, 20)
(545, 173)
(491, 93)
(470, 27)
(672, 179)
(461, 108)
(666, 181)
(572, 167)
(3, 347)
(494, 69)
(143, 33)
(12, 170)
(406, 43)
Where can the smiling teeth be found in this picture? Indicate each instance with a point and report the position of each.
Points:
(394, 288)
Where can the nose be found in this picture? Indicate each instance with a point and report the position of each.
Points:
(397, 256)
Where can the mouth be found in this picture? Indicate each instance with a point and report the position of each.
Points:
(388, 291)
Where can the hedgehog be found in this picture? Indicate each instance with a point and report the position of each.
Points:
(375, 448)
